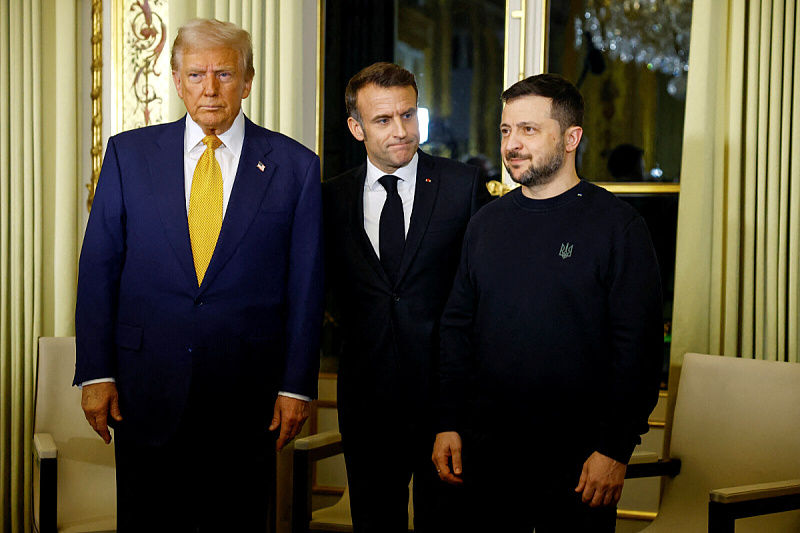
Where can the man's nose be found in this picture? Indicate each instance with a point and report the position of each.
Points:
(210, 85)
(512, 142)
(399, 128)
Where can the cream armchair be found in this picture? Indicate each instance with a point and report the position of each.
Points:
(74, 486)
(736, 432)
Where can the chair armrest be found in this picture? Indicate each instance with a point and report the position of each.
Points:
(760, 491)
(727, 505)
(307, 451)
(44, 446)
(645, 466)
(319, 446)
(45, 482)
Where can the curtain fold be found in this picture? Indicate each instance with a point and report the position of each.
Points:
(39, 219)
(20, 248)
(738, 246)
(736, 287)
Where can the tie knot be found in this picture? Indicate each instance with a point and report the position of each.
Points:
(212, 141)
(389, 183)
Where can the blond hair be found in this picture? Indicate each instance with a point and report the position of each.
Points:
(202, 34)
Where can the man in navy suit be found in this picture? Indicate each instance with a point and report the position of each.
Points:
(393, 230)
(204, 366)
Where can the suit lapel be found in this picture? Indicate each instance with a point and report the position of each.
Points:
(356, 222)
(252, 180)
(424, 198)
(165, 162)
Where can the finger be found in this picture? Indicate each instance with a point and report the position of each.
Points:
(115, 413)
(276, 418)
(457, 469)
(452, 479)
(588, 493)
(284, 438)
(101, 427)
(598, 498)
(582, 481)
(442, 467)
(609, 498)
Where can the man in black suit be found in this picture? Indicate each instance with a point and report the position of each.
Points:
(393, 231)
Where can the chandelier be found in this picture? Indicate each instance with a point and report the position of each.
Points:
(653, 33)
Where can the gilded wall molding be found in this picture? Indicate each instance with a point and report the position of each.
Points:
(97, 98)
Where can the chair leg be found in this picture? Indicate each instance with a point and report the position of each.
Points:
(720, 519)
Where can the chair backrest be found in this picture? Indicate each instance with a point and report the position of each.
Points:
(737, 422)
(86, 473)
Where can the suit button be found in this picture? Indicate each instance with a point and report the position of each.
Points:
(396, 297)
(191, 349)
(198, 302)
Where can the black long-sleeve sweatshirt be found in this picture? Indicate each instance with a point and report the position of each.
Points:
(553, 330)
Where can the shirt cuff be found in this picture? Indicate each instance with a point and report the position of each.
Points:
(93, 381)
(295, 396)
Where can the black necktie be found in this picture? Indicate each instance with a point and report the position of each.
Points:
(392, 235)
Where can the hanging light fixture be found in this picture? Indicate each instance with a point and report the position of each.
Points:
(653, 33)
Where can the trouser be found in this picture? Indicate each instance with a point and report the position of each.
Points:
(201, 480)
(513, 489)
(380, 462)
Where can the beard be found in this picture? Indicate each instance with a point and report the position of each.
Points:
(536, 176)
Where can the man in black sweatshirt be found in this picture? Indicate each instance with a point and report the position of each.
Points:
(552, 336)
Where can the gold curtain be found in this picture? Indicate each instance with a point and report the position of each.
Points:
(737, 272)
(39, 223)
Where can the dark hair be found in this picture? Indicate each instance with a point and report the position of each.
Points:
(382, 75)
(566, 102)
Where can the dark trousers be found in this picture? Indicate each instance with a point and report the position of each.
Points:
(380, 462)
(201, 480)
(516, 490)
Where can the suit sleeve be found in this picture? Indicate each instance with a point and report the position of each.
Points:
(456, 359)
(101, 261)
(480, 194)
(636, 323)
(305, 289)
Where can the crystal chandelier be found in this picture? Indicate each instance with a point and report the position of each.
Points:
(654, 33)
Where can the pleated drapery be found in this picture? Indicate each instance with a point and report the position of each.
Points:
(20, 250)
(738, 245)
(736, 287)
(39, 219)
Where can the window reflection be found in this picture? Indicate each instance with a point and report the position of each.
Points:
(626, 103)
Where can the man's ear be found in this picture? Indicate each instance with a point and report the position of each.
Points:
(572, 138)
(176, 77)
(355, 129)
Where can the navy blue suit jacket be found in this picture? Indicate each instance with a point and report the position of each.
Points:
(251, 329)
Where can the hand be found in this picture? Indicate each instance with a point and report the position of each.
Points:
(447, 448)
(601, 480)
(290, 414)
(98, 401)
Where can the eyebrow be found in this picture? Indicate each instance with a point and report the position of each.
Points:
(521, 124)
(409, 110)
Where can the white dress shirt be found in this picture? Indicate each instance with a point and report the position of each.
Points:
(227, 156)
(375, 197)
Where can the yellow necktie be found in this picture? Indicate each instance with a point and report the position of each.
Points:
(205, 207)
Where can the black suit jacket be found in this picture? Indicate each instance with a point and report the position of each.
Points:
(391, 333)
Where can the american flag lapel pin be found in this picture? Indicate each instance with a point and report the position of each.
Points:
(260, 166)
(427, 180)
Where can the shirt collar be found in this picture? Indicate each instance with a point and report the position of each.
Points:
(407, 173)
(233, 139)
